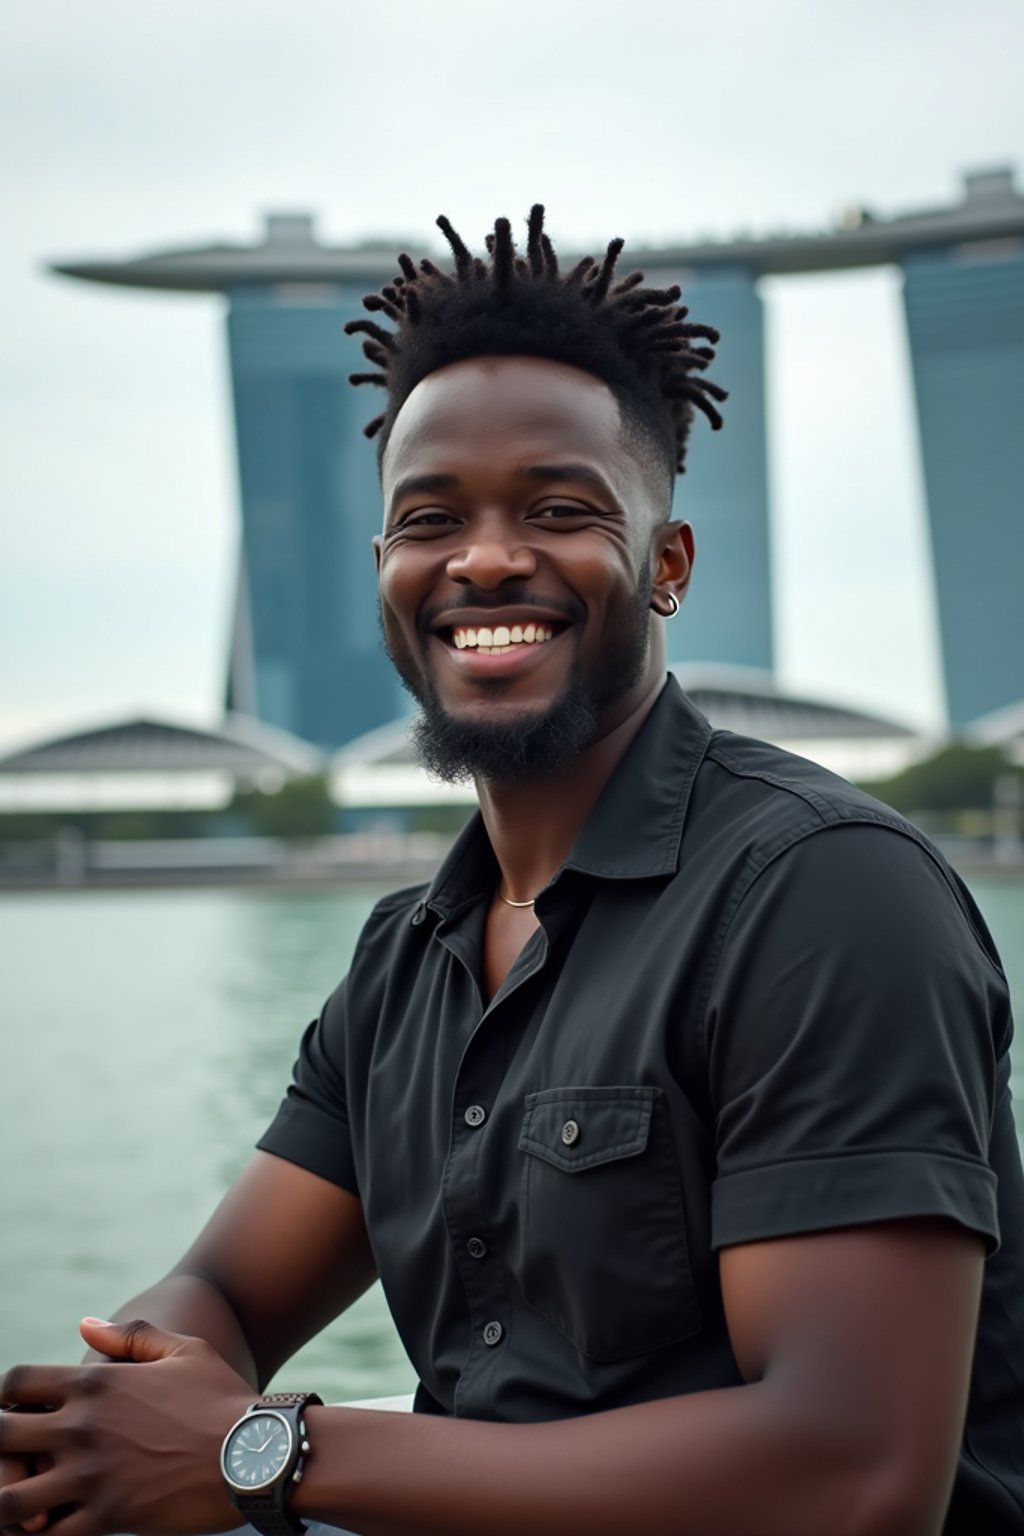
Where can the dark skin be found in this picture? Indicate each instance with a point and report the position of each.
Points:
(855, 1345)
(572, 540)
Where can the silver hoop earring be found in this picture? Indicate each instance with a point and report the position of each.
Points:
(675, 606)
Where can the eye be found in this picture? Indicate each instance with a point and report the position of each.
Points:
(427, 520)
(562, 511)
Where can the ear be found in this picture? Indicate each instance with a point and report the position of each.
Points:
(378, 545)
(672, 550)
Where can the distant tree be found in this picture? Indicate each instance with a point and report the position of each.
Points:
(446, 819)
(300, 808)
(26, 826)
(958, 778)
(140, 825)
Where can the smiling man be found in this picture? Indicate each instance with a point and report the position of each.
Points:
(674, 1113)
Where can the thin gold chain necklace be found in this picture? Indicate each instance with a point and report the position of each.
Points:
(510, 903)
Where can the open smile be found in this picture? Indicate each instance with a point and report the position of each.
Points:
(500, 638)
(502, 643)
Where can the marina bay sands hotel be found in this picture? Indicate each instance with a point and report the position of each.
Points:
(305, 654)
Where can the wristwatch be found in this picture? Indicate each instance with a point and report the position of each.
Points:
(263, 1456)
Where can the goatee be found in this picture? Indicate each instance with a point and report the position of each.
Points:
(519, 751)
(529, 748)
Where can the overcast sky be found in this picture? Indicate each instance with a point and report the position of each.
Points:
(130, 127)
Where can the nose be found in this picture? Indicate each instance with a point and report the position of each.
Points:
(494, 552)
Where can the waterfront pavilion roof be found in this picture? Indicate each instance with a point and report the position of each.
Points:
(240, 745)
(1002, 728)
(750, 702)
(147, 763)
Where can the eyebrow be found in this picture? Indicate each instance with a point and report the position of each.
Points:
(419, 485)
(571, 472)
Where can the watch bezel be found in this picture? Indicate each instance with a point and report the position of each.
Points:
(256, 1490)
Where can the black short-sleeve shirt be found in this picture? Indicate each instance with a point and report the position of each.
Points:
(758, 1004)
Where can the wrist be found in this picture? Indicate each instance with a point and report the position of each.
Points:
(263, 1458)
(303, 1500)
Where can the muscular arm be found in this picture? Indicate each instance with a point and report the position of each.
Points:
(283, 1254)
(856, 1347)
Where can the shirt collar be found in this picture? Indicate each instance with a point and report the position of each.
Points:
(635, 829)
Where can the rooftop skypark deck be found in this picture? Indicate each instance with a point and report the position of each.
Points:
(991, 209)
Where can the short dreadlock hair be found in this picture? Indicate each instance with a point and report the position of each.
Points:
(637, 339)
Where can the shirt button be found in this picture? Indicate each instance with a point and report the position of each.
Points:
(570, 1132)
(476, 1247)
(475, 1115)
(493, 1333)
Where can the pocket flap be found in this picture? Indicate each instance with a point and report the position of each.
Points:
(577, 1128)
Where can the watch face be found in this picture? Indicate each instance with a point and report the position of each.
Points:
(256, 1451)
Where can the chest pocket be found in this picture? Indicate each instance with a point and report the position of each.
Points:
(603, 1252)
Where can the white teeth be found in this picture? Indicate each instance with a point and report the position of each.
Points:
(501, 638)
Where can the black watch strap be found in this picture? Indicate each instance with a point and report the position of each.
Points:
(268, 1512)
(286, 1400)
(262, 1513)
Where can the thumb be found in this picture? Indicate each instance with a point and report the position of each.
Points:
(137, 1340)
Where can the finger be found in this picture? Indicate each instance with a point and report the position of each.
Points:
(34, 1496)
(72, 1522)
(137, 1340)
(32, 1524)
(12, 1470)
(26, 1434)
(36, 1386)
(35, 1523)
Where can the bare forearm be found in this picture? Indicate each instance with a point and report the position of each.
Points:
(722, 1463)
(184, 1303)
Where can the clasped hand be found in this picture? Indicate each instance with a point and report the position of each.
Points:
(121, 1450)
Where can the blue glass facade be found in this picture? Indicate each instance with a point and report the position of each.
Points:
(965, 317)
(306, 653)
(727, 616)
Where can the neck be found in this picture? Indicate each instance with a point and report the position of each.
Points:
(532, 827)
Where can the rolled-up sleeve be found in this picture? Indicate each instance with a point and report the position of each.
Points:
(311, 1128)
(853, 1031)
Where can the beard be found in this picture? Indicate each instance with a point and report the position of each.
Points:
(528, 748)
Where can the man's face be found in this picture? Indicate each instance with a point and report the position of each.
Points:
(516, 565)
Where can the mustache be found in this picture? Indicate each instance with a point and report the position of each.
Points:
(510, 596)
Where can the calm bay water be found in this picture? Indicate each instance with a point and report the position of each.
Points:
(145, 1041)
